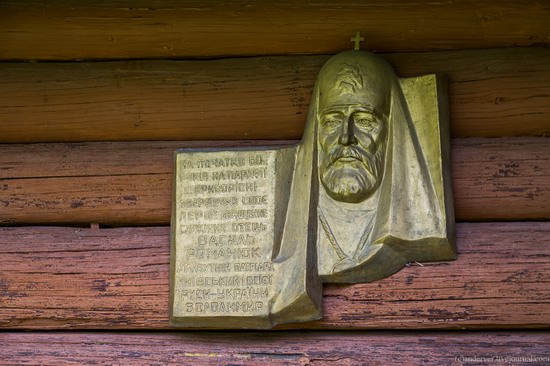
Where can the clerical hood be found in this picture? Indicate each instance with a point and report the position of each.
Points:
(410, 221)
(410, 214)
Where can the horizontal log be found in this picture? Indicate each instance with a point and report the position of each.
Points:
(129, 183)
(501, 179)
(501, 92)
(72, 29)
(281, 348)
(59, 278)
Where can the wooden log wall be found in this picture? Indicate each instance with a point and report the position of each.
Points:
(96, 96)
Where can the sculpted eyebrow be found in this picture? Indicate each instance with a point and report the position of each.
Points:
(343, 108)
(331, 113)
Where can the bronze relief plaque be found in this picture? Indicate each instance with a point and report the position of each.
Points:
(368, 189)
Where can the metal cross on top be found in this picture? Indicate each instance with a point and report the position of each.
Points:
(357, 39)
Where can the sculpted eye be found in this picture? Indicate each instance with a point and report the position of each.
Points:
(365, 121)
(331, 122)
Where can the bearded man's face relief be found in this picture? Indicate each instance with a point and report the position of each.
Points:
(352, 139)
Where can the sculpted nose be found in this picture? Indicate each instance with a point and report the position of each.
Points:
(347, 137)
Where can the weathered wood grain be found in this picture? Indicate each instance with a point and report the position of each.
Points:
(129, 183)
(500, 92)
(276, 348)
(501, 179)
(58, 278)
(71, 29)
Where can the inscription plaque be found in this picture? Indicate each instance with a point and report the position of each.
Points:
(224, 233)
(255, 232)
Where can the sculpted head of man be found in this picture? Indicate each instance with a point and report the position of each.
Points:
(353, 115)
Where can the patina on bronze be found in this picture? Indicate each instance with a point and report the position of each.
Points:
(367, 190)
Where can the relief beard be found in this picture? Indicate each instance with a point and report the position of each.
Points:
(350, 179)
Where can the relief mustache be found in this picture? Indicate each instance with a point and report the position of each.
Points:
(364, 157)
(345, 152)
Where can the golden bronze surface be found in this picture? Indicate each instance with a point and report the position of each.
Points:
(227, 216)
(367, 190)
